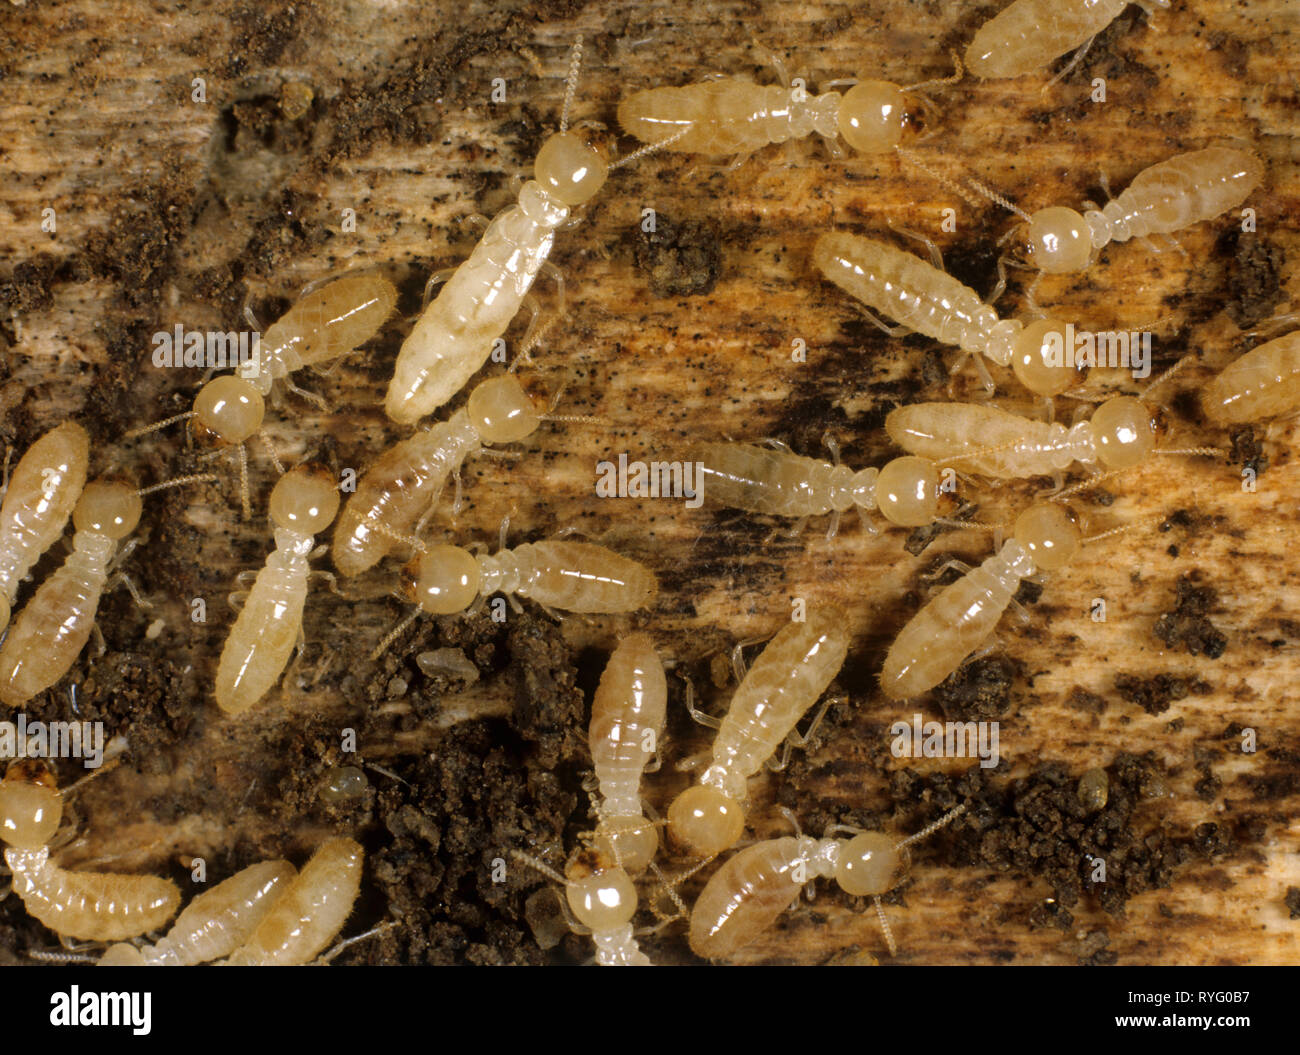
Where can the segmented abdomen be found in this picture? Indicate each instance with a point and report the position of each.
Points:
(1263, 383)
(312, 910)
(43, 490)
(96, 906)
(328, 322)
(907, 289)
(52, 629)
(395, 491)
(763, 480)
(785, 681)
(454, 336)
(1182, 191)
(582, 577)
(1031, 33)
(744, 897)
(264, 635)
(630, 701)
(947, 432)
(217, 922)
(729, 115)
(955, 622)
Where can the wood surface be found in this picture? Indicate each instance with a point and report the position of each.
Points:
(173, 211)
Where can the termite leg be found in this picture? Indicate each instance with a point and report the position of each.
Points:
(561, 290)
(1078, 57)
(952, 564)
(122, 579)
(770, 58)
(834, 528)
(477, 221)
(236, 600)
(698, 716)
(437, 278)
(330, 578)
(101, 646)
(892, 331)
(801, 740)
(779, 445)
(936, 256)
(9, 452)
(314, 398)
(250, 317)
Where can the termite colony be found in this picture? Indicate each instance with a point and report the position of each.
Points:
(612, 875)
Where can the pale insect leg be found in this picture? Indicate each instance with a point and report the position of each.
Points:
(936, 255)
(801, 740)
(317, 400)
(437, 278)
(1078, 57)
(952, 564)
(698, 716)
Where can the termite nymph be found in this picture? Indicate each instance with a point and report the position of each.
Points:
(923, 297)
(404, 483)
(310, 912)
(96, 906)
(1028, 34)
(788, 677)
(746, 896)
(1264, 383)
(324, 324)
(303, 503)
(214, 924)
(962, 616)
(44, 488)
(627, 719)
(779, 482)
(56, 623)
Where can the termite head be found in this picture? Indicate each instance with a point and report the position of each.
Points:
(501, 411)
(108, 507)
(1058, 241)
(907, 491)
(305, 500)
(875, 116)
(1049, 534)
(1040, 359)
(870, 864)
(600, 893)
(570, 170)
(227, 411)
(1126, 430)
(631, 841)
(443, 580)
(705, 821)
(30, 804)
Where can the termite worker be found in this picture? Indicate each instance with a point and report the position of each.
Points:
(54, 626)
(1029, 34)
(1264, 383)
(962, 616)
(326, 323)
(214, 924)
(96, 906)
(303, 503)
(627, 719)
(923, 297)
(788, 677)
(311, 911)
(40, 497)
(744, 897)
(779, 482)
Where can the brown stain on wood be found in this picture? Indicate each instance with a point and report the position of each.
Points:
(173, 211)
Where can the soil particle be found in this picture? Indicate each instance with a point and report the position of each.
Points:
(1186, 623)
(1293, 901)
(977, 691)
(1253, 285)
(681, 259)
(1154, 694)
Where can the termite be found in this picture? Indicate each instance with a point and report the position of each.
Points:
(627, 719)
(1029, 34)
(744, 897)
(41, 494)
(602, 899)
(324, 324)
(1263, 383)
(404, 483)
(96, 906)
(962, 616)
(214, 924)
(303, 503)
(56, 623)
(733, 116)
(923, 297)
(778, 482)
(788, 677)
(311, 911)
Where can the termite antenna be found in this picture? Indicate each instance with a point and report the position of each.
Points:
(649, 148)
(943, 82)
(930, 829)
(1171, 372)
(571, 83)
(373, 932)
(539, 866)
(49, 956)
(963, 191)
(394, 634)
(884, 926)
(180, 481)
(1085, 485)
(1201, 452)
(144, 430)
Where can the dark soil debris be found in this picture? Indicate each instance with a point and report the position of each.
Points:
(1186, 623)
(682, 259)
